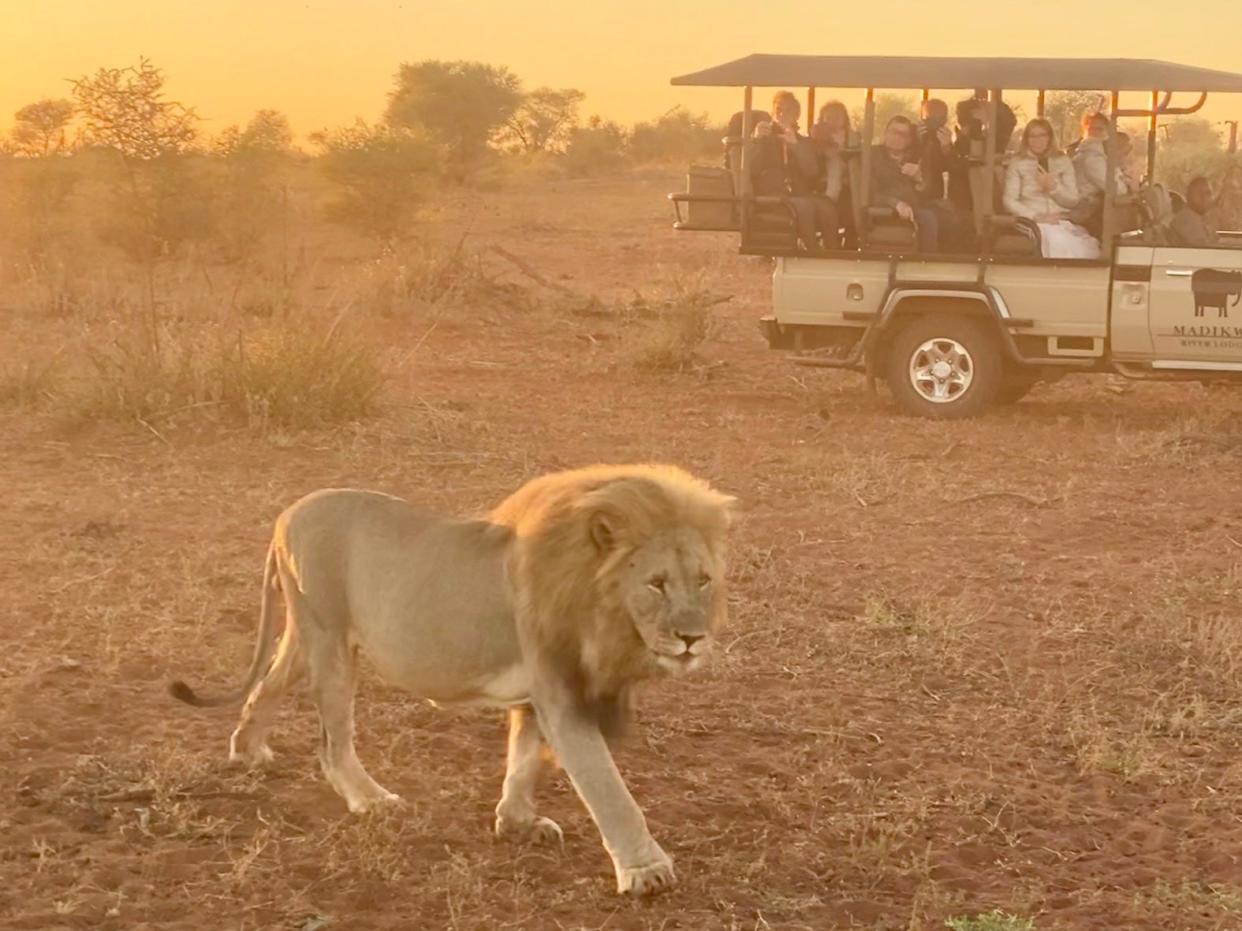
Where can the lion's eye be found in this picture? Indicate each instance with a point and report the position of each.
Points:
(656, 583)
(705, 580)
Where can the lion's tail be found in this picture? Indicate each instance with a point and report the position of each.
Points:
(262, 648)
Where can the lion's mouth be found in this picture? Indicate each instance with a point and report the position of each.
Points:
(679, 663)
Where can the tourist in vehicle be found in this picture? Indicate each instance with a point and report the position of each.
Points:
(970, 144)
(1041, 186)
(1195, 225)
(830, 136)
(1091, 172)
(833, 126)
(972, 117)
(784, 164)
(936, 155)
(898, 181)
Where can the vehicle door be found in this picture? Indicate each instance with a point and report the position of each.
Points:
(1195, 305)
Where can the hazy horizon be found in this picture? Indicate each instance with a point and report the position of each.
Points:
(324, 63)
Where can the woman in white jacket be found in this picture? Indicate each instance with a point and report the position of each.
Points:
(1040, 185)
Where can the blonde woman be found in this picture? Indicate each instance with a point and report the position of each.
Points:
(1040, 185)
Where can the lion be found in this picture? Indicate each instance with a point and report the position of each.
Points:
(579, 586)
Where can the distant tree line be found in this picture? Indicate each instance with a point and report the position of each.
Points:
(445, 122)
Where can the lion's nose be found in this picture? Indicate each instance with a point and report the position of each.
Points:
(690, 639)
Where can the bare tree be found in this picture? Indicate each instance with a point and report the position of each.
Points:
(1064, 110)
(267, 132)
(156, 207)
(544, 120)
(124, 109)
(39, 128)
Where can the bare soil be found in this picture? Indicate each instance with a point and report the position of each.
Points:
(980, 665)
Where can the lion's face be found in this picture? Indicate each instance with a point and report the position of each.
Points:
(672, 588)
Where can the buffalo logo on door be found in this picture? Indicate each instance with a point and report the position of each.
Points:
(1214, 288)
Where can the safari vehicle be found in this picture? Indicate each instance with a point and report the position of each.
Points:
(952, 334)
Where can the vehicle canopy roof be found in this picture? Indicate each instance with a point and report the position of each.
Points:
(860, 71)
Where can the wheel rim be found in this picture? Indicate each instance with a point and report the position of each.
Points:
(941, 370)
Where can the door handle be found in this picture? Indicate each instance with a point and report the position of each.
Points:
(1178, 273)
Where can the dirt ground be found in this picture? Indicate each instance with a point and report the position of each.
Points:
(970, 666)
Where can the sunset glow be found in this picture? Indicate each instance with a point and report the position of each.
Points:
(326, 61)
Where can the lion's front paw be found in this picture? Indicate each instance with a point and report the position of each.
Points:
(374, 802)
(539, 830)
(647, 880)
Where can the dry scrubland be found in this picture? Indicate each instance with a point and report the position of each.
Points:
(987, 672)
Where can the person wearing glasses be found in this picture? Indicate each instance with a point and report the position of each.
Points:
(900, 180)
(1041, 185)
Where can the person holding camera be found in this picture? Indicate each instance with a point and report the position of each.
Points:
(936, 155)
(784, 164)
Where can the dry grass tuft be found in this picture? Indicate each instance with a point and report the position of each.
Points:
(681, 324)
(289, 376)
(28, 384)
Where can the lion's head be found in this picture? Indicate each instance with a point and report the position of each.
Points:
(619, 574)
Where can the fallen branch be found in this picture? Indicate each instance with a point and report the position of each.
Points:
(525, 268)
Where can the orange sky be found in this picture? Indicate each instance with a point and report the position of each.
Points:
(324, 62)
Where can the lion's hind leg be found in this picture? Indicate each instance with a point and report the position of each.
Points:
(248, 744)
(515, 815)
(332, 664)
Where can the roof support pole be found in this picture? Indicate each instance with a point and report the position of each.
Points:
(1040, 104)
(989, 155)
(748, 129)
(926, 94)
(1152, 124)
(1110, 179)
(868, 132)
(810, 108)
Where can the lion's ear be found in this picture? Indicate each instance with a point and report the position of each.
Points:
(603, 528)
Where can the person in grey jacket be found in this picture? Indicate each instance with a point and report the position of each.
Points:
(1041, 186)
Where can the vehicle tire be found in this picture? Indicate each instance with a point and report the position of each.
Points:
(1015, 386)
(944, 366)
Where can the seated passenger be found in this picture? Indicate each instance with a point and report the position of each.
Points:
(935, 146)
(830, 136)
(970, 144)
(898, 181)
(972, 116)
(833, 127)
(1195, 225)
(1040, 186)
(1091, 170)
(784, 164)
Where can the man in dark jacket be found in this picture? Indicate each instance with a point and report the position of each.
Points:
(972, 115)
(784, 163)
(899, 181)
(936, 155)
